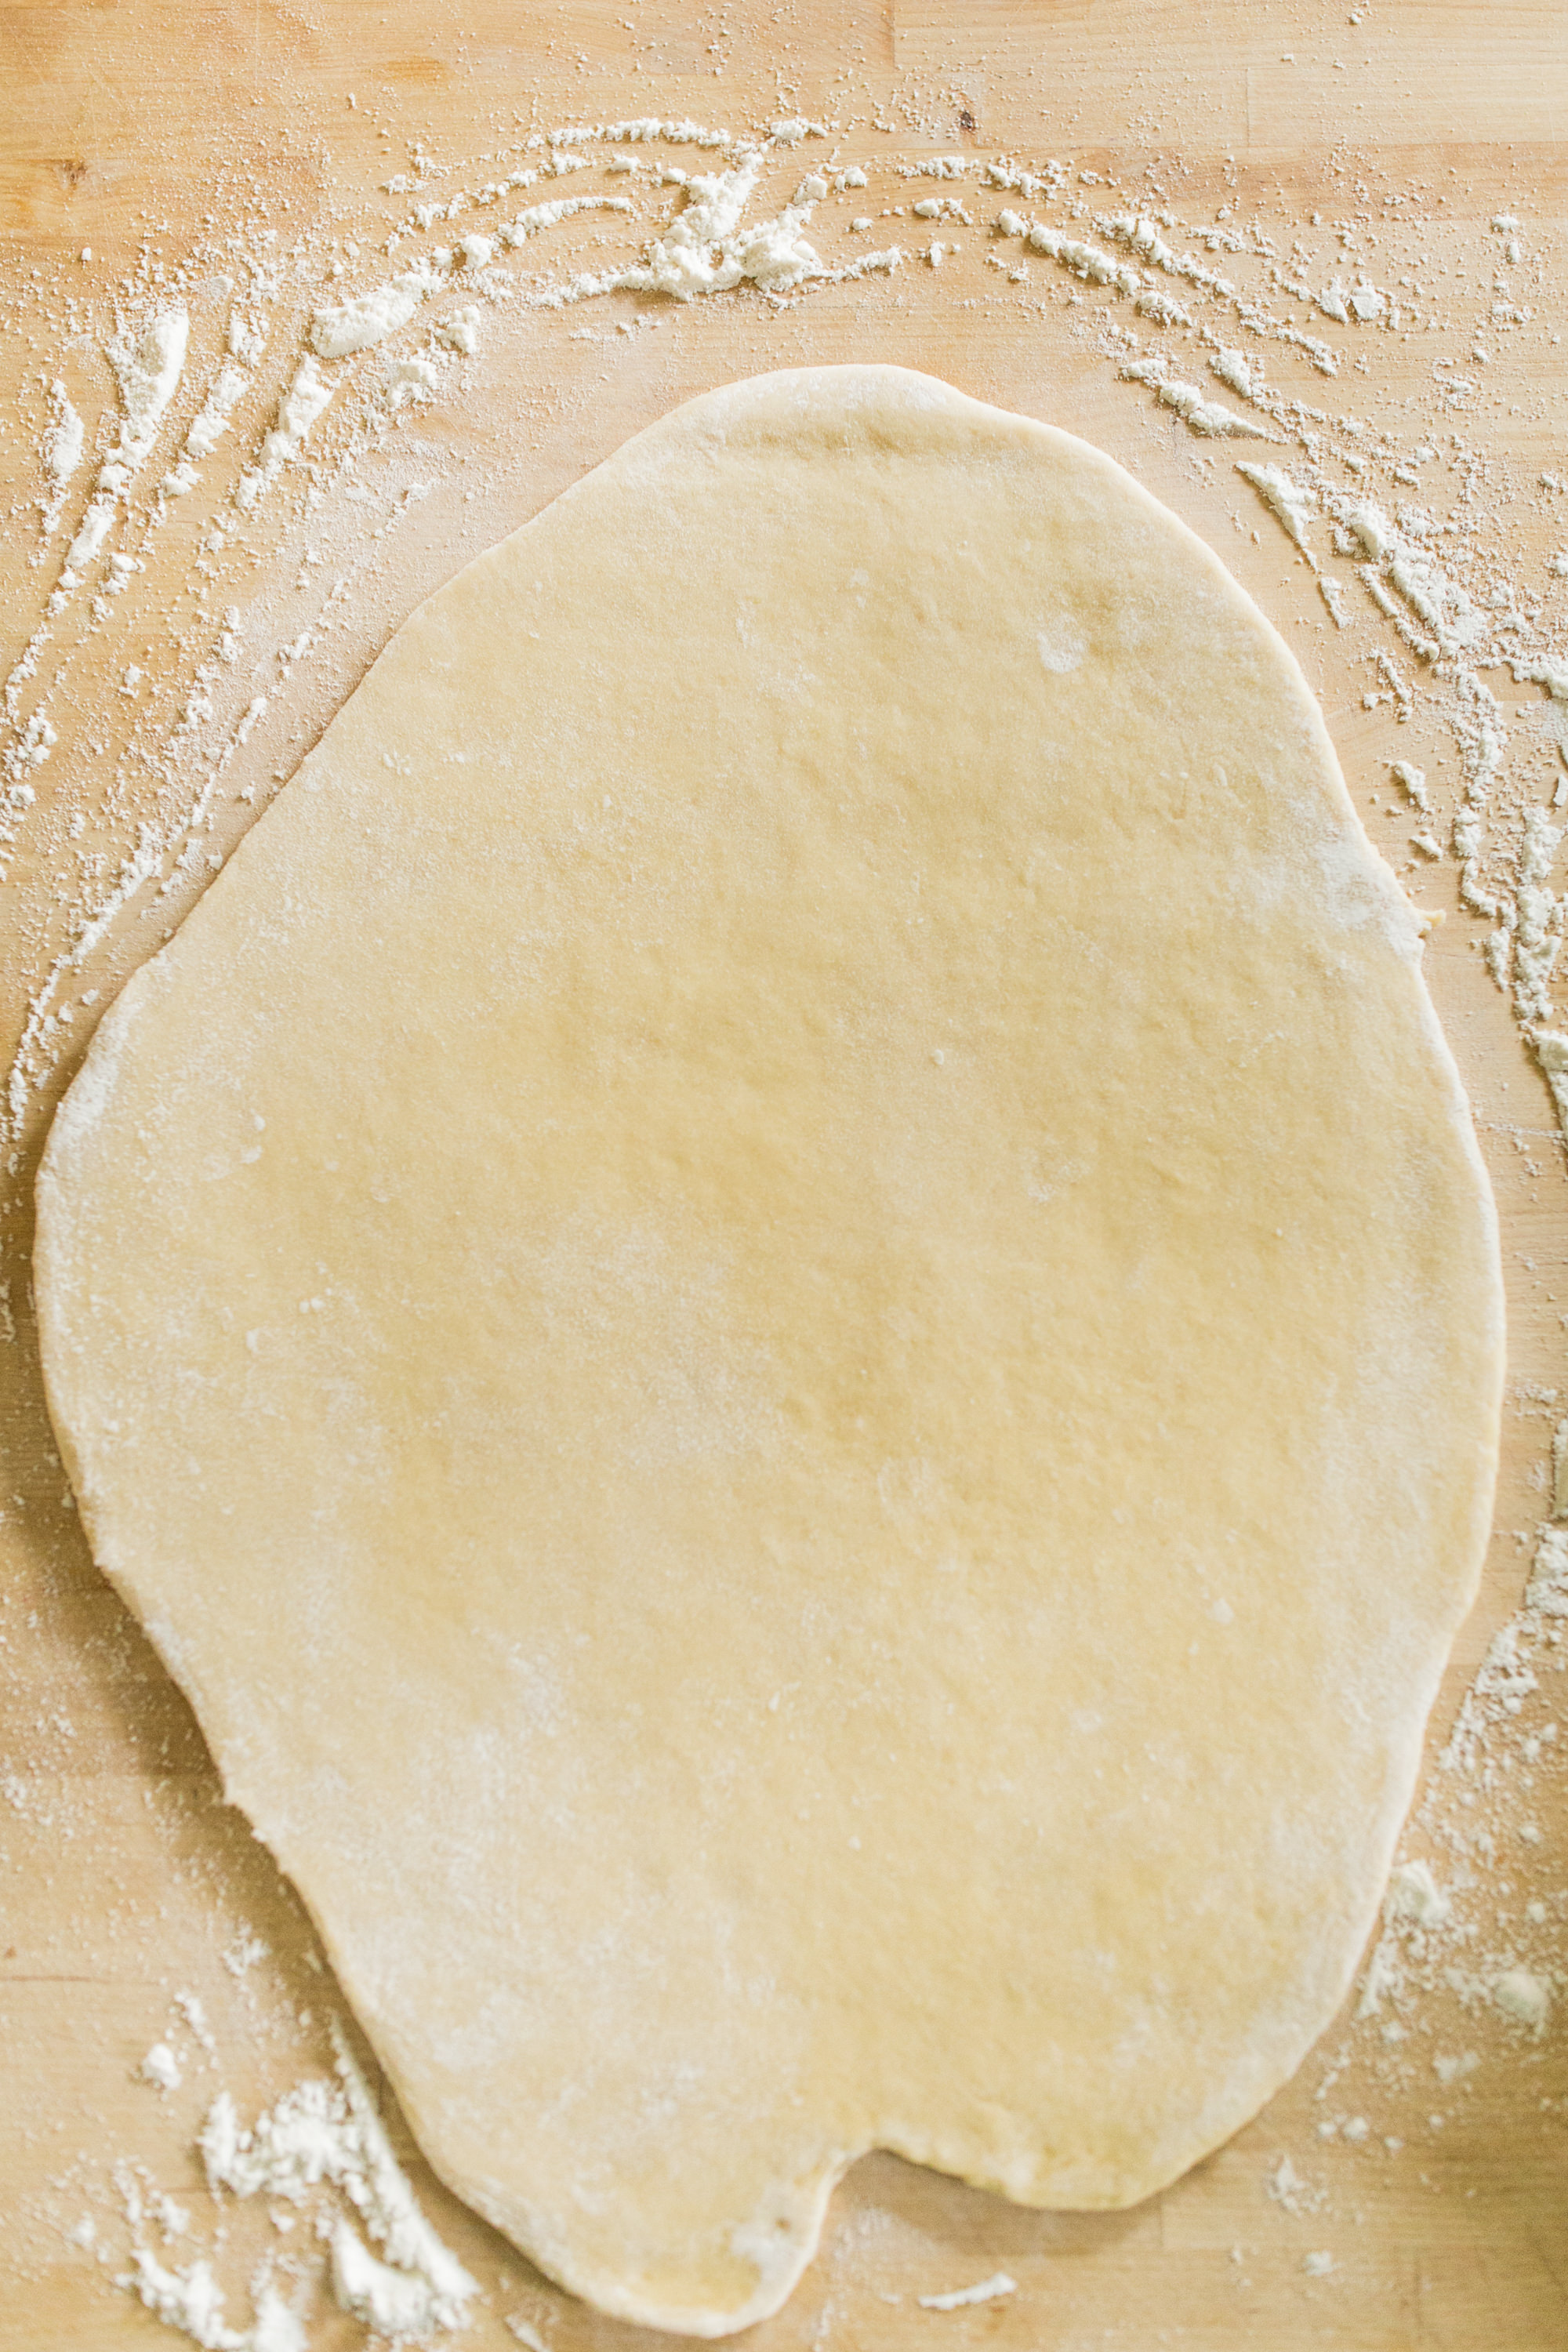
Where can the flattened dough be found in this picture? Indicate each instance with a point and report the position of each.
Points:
(784, 1310)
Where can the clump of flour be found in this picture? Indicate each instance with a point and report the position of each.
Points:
(324, 2136)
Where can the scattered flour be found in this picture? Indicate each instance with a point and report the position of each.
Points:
(1429, 593)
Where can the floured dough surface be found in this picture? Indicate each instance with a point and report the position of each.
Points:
(783, 1310)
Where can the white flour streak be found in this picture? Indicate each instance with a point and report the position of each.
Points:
(1286, 500)
(148, 372)
(60, 451)
(207, 427)
(1209, 419)
(550, 216)
(370, 317)
(649, 127)
(298, 411)
(988, 2291)
(1083, 260)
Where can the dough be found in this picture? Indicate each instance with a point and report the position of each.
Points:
(784, 1310)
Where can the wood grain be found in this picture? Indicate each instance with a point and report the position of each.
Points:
(123, 1877)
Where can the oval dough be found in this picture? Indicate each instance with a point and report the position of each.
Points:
(784, 1310)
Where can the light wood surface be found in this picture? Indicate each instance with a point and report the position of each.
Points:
(123, 1878)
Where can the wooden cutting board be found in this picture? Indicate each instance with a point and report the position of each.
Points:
(131, 129)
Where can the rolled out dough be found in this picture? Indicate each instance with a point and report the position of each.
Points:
(784, 1310)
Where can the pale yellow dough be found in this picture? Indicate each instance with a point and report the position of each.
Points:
(784, 1310)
